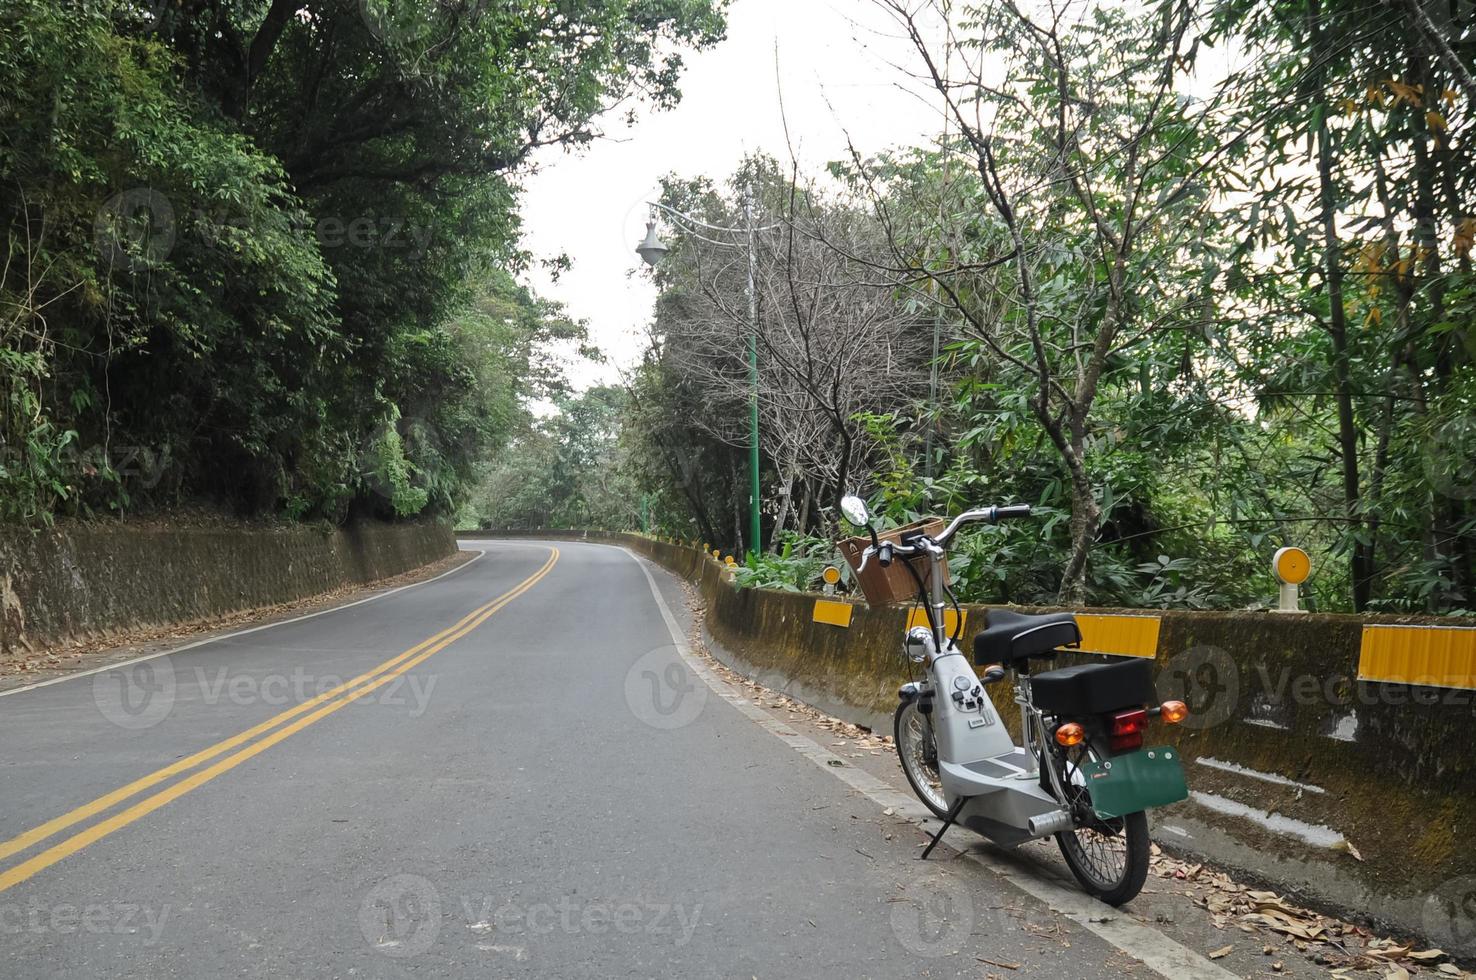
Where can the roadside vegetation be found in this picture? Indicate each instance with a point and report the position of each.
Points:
(262, 255)
(1193, 279)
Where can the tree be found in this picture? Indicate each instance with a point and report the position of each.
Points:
(832, 340)
(1092, 165)
(564, 471)
(258, 240)
(1355, 171)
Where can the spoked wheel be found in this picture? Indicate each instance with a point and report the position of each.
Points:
(1108, 856)
(918, 751)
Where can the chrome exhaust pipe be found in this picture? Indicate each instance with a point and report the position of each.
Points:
(1046, 824)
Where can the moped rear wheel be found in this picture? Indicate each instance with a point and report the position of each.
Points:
(918, 751)
(1108, 856)
(1110, 859)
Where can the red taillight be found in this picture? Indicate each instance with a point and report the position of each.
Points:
(1126, 730)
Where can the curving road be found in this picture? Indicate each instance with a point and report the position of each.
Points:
(508, 771)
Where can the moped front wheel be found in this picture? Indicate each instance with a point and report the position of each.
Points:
(918, 751)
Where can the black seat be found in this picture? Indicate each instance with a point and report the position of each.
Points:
(1094, 689)
(1011, 638)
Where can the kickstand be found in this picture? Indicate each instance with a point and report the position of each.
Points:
(948, 822)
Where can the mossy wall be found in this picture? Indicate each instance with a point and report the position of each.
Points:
(87, 581)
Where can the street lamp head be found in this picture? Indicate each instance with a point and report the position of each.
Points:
(651, 248)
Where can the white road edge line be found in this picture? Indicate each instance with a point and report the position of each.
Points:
(1160, 953)
(481, 552)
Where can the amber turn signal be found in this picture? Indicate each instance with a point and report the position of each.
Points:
(1070, 734)
(1173, 712)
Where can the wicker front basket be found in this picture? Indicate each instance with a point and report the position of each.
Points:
(895, 583)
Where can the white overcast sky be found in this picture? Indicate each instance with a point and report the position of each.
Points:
(842, 68)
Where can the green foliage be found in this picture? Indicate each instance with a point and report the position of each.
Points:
(564, 471)
(1250, 320)
(692, 482)
(389, 468)
(794, 564)
(268, 246)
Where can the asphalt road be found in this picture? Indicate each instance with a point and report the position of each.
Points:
(533, 782)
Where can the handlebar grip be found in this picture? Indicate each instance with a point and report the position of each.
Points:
(1012, 512)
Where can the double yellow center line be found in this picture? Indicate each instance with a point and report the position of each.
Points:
(280, 727)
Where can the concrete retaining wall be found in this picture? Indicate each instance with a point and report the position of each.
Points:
(90, 580)
(1298, 768)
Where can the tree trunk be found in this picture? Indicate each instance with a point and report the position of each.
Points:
(693, 494)
(1085, 516)
(804, 511)
(1450, 511)
(843, 465)
(786, 495)
(1337, 326)
(738, 499)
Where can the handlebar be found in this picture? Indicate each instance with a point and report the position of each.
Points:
(993, 515)
(886, 551)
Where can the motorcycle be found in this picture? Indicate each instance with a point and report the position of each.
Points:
(1082, 775)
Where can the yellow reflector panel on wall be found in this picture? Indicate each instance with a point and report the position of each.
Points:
(833, 613)
(1119, 635)
(1433, 656)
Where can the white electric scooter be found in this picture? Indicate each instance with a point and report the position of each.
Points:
(1081, 772)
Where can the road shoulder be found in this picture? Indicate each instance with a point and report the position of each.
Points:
(1172, 924)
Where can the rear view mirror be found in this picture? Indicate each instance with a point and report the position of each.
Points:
(854, 510)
